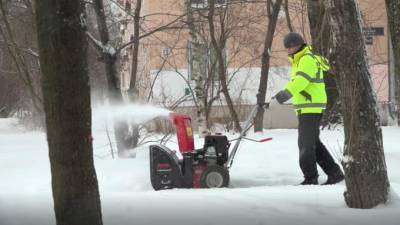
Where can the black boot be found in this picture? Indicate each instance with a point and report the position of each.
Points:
(310, 181)
(334, 178)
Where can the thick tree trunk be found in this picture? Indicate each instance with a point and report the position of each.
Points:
(222, 73)
(121, 128)
(63, 60)
(320, 34)
(135, 57)
(393, 13)
(262, 89)
(135, 50)
(319, 27)
(197, 62)
(134, 68)
(364, 160)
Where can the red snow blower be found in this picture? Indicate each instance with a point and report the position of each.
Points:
(207, 167)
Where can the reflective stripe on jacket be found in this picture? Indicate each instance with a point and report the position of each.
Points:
(307, 85)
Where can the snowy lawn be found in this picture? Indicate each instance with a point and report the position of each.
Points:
(262, 188)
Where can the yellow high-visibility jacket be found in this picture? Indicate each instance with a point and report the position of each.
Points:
(307, 85)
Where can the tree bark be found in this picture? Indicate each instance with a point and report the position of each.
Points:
(319, 27)
(222, 73)
(265, 60)
(63, 48)
(121, 128)
(320, 34)
(393, 14)
(134, 67)
(364, 160)
(135, 50)
(198, 64)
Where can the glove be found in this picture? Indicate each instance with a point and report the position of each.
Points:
(282, 96)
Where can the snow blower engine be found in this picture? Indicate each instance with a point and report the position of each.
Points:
(207, 167)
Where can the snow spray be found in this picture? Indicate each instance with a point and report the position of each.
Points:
(136, 113)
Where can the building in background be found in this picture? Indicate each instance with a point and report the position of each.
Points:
(164, 69)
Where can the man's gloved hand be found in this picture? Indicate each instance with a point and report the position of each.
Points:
(282, 96)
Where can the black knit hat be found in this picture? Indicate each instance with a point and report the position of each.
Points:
(293, 39)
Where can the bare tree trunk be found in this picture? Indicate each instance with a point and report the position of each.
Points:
(222, 71)
(393, 13)
(364, 160)
(319, 27)
(63, 59)
(262, 89)
(134, 67)
(198, 64)
(320, 34)
(287, 15)
(135, 50)
(121, 128)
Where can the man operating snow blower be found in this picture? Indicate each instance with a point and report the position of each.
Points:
(307, 90)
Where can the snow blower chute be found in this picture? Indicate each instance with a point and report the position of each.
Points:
(207, 167)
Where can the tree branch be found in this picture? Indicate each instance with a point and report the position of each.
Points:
(162, 28)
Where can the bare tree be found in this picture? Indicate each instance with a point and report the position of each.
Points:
(121, 128)
(239, 21)
(10, 86)
(273, 11)
(319, 27)
(63, 47)
(22, 57)
(197, 63)
(133, 53)
(126, 138)
(320, 35)
(135, 49)
(393, 14)
(9, 94)
(218, 46)
(364, 160)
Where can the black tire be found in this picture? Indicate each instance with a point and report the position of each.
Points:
(214, 176)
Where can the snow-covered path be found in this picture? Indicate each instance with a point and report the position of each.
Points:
(262, 189)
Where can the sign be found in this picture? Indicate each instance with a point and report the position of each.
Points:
(374, 31)
(370, 32)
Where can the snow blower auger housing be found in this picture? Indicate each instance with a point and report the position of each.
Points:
(207, 167)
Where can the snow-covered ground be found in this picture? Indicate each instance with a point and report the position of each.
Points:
(262, 188)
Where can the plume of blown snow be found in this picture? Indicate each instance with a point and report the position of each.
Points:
(136, 113)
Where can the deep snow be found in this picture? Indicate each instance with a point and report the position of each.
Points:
(262, 188)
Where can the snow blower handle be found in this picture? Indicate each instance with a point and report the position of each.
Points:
(265, 139)
(242, 135)
(251, 139)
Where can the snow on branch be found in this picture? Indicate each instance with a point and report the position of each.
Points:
(107, 48)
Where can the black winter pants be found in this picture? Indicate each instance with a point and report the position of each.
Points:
(312, 151)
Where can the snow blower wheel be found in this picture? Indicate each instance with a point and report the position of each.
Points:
(214, 176)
